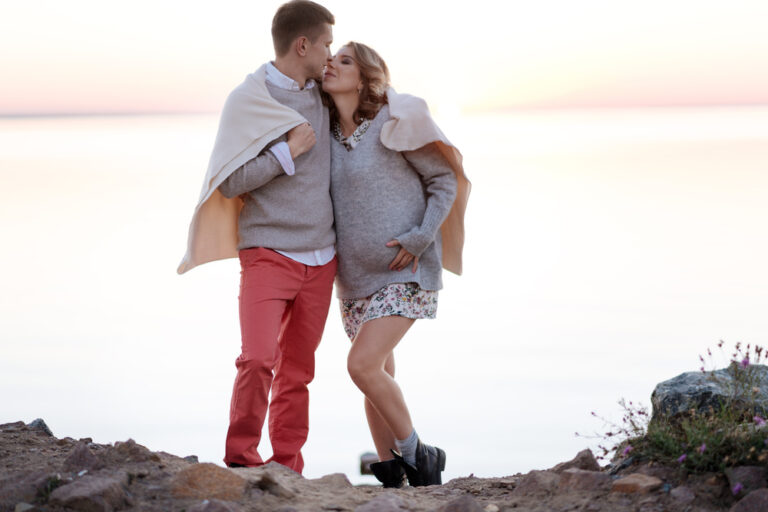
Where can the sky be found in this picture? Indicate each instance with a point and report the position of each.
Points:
(86, 56)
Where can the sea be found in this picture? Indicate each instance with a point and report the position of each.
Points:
(606, 251)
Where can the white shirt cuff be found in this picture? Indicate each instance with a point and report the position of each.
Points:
(283, 154)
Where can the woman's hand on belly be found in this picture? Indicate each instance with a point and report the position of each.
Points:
(403, 258)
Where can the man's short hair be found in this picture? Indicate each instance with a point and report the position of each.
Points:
(298, 18)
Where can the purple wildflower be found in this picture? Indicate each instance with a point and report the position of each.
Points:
(627, 450)
(682, 458)
(737, 488)
(760, 421)
(745, 362)
(703, 447)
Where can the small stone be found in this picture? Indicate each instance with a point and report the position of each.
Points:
(464, 504)
(583, 460)
(756, 501)
(682, 494)
(751, 478)
(504, 483)
(40, 426)
(91, 494)
(271, 485)
(334, 481)
(192, 458)
(81, 458)
(574, 479)
(215, 506)
(207, 481)
(636, 484)
(537, 482)
(23, 507)
(131, 451)
(491, 508)
(366, 460)
(16, 426)
(650, 505)
(386, 502)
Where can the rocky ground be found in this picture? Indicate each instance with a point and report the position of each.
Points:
(39, 472)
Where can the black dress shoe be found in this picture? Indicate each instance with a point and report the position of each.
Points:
(389, 472)
(430, 462)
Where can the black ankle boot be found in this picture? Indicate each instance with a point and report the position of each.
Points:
(389, 472)
(430, 462)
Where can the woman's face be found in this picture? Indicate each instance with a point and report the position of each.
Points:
(342, 74)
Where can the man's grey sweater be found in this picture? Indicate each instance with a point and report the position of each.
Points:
(282, 212)
(380, 195)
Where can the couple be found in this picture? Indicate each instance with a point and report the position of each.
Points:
(351, 183)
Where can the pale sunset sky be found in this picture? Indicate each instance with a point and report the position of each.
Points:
(86, 56)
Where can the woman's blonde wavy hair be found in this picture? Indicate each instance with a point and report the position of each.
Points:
(375, 76)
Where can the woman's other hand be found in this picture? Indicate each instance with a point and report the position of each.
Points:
(301, 139)
(403, 258)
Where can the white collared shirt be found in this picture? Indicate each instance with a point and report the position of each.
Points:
(283, 154)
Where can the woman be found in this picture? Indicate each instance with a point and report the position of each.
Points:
(388, 207)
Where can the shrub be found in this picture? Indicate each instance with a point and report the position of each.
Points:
(732, 434)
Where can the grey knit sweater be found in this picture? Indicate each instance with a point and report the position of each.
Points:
(287, 213)
(380, 195)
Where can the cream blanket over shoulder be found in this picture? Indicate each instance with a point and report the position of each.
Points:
(412, 127)
(251, 119)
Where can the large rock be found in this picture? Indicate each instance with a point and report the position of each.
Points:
(675, 397)
(756, 501)
(583, 460)
(92, 494)
(208, 481)
(751, 478)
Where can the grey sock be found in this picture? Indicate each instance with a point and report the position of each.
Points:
(407, 447)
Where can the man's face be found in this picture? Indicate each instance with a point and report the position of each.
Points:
(319, 52)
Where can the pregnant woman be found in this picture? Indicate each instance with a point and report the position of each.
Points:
(393, 186)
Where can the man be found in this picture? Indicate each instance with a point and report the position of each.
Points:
(270, 170)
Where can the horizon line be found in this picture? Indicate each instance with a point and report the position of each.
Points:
(478, 110)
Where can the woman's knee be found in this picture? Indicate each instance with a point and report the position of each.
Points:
(360, 369)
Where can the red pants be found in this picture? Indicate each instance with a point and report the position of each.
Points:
(283, 308)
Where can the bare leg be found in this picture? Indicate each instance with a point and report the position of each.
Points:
(382, 436)
(366, 362)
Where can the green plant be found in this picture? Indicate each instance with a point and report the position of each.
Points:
(732, 433)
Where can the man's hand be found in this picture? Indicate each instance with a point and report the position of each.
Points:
(403, 258)
(301, 139)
